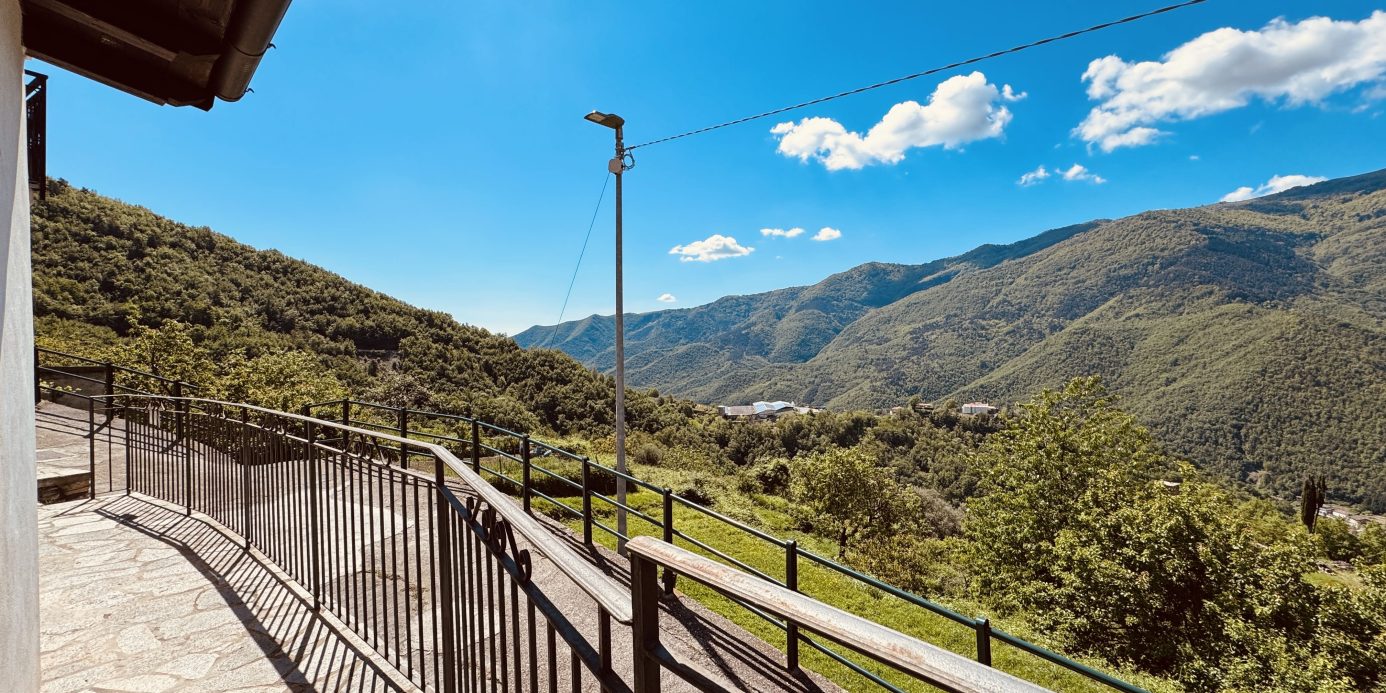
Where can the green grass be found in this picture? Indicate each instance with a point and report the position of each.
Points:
(831, 587)
(1349, 580)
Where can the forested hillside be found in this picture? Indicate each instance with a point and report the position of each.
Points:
(104, 269)
(1248, 335)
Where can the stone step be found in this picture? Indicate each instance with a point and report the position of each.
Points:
(58, 484)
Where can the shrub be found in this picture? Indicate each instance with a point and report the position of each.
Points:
(770, 476)
(649, 454)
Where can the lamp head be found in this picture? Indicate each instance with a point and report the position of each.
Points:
(610, 120)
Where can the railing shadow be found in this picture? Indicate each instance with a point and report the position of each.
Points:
(305, 649)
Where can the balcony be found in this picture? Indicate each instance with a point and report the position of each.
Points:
(224, 546)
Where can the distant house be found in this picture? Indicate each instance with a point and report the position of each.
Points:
(1356, 522)
(978, 408)
(923, 407)
(762, 411)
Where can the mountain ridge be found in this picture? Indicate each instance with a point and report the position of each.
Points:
(899, 280)
(1249, 335)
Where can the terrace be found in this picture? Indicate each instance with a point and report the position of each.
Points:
(223, 546)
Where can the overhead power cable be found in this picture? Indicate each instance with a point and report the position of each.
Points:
(566, 296)
(942, 68)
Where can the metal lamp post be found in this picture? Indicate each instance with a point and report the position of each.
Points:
(617, 166)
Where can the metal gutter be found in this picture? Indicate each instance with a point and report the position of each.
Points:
(247, 39)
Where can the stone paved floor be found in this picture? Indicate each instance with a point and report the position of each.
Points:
(138, 597)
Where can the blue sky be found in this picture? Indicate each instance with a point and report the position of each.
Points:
(437, 152)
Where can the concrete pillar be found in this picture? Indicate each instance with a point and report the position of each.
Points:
(19, 607)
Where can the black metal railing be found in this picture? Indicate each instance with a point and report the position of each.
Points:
(520, 465)
(433, 566)
(429, 565)
(86, 376)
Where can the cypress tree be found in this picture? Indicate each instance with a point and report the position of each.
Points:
(1311, 499)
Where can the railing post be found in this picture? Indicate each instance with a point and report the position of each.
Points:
(586, 501)
(791, 580)
(38, 388)
(314, 521)
(346, 414)
(180, 422)
(247, 498)
(524, 474)
(91, 448)
(125, 411)
(403, 433)
(110, 389)
(476, 446)
(604, 641)
(983, 627)
(669, 575)
(445, 558)
(644, 601)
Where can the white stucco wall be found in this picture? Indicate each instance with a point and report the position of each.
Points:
(19, 645)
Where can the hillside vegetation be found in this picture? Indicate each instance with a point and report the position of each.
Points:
(105, 270)
(1056, 520)
(1249, 336)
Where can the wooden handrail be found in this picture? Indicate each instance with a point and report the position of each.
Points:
(926, 662)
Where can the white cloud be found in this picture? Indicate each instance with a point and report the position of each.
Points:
(783, 233)
(1193, 157)
(1081, 172)
(666, 298)
(962, 109)
(1031, 177)
(1274, 185)
(1294, 64)
(713, 248)
(827, 233)
(1074, 172)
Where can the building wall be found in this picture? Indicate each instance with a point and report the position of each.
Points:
(19, 644)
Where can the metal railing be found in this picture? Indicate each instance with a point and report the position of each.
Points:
(914, 658)
(425, 564)
(491, 449)
(431, 565)
(114, 380)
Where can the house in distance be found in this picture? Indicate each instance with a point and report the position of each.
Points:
(762, 411)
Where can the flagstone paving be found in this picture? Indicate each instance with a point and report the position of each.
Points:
(139, 597)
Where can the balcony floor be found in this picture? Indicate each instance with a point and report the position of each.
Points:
(137, 597)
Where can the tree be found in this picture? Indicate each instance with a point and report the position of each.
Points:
(1070, 457)
(847, 492)
(1312, 495)
(1073, 527)
(1373, 545)
(283, 380)
(1337, 540)
(169, 351)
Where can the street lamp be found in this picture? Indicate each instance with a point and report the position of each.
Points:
(617, 166)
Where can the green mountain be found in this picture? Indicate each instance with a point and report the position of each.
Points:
(1250, 336)
(102, 267)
